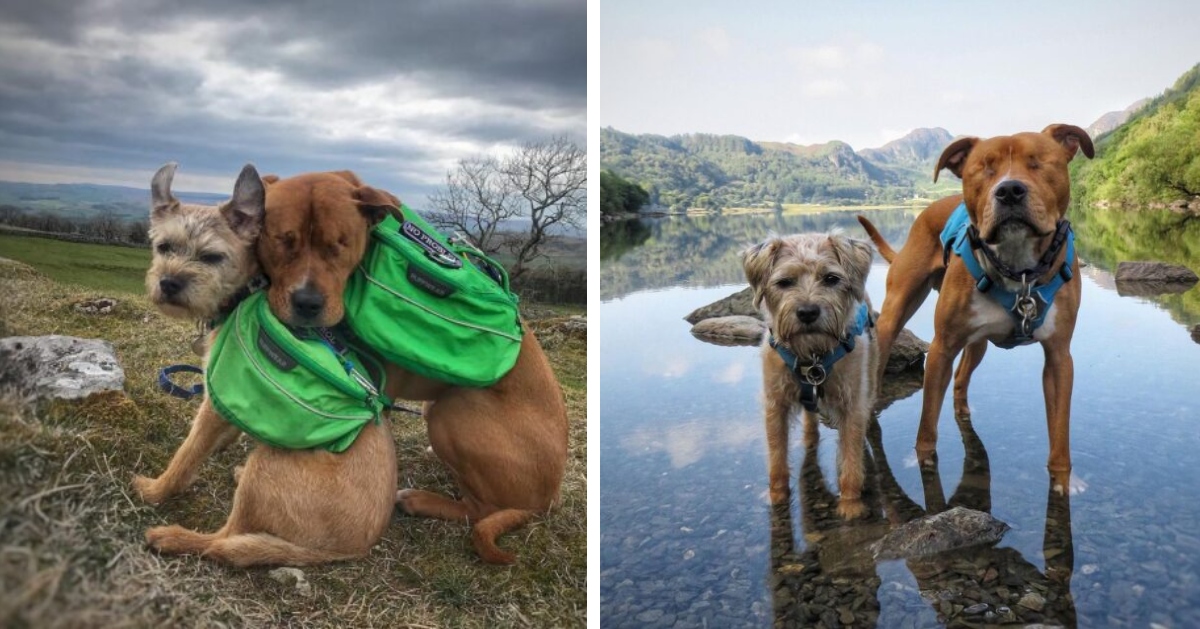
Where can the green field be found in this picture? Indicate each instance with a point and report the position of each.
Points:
(99, 267)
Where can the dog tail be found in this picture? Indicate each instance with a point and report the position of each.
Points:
(882, 245)
(262, 549)
(485, 532)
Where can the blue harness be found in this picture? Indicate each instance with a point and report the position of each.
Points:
(813, 374)
(1029, 305)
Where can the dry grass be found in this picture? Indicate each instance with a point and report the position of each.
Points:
(71, 550)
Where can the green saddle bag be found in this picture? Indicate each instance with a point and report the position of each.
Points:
(286, 391)
(432, 306)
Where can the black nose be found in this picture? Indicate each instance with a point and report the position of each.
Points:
(170, 286)
(307, 303)
(1011, 192)
(808, 313)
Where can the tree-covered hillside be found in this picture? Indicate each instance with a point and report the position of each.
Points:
(723, 171)
(1152, 158)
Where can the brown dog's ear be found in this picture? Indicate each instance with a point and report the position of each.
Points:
(374, 203)
(855, 257)
(1071, 138)
(162, 202)
(757, 261)
(955, 156)
(269, 179)
(244, 211)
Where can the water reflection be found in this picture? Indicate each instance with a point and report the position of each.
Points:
(832, 580)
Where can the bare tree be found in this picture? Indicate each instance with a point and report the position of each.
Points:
(542, 182)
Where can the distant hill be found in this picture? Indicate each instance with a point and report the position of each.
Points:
(1113, 119)
(85, 200)
(724, 171)
(1152, 159)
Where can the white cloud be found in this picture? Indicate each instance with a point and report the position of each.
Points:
(716, 40)
(823, 88)
(827, 57)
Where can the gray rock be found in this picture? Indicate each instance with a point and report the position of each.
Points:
(1032, 600)
(289, 576)
(907, 351)
(102, 306)
(59, 367)
(1150, 288)
(950, 530)
(739, 303)
(730, 330)
(1155, 272)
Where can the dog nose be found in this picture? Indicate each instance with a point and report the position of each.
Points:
(307, 303)
(808, 313)
(1011, 192)
(170, 286)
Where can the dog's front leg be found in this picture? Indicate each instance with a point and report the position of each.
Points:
(850, 462)
(1058, 378)
(777, 412)
(208, 434)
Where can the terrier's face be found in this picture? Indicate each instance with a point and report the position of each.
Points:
(807, 286)
(202, 254)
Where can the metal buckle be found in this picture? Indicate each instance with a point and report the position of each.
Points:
(814, 374)
(1026, 306)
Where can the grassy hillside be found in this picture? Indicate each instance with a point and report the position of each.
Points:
(72, 542)
(1154, 158)
(100, 267)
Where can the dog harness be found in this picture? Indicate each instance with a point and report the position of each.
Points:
(813, 374)
(1029, 304)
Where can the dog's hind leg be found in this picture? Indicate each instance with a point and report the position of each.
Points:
(485, 532)
(262, 549)
(427, 504)
(176, 540)
(209, 433)
(971, 357)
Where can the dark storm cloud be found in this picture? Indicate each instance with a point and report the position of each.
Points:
(103, 83)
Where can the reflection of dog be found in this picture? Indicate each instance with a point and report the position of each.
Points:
(820, 354)
(291, 507)
(834, 576)
(506, 445)
(1016, 190)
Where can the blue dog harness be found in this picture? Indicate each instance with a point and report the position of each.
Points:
(1029, 305)
(813, 374)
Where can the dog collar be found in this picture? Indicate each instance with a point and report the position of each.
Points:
(813, 374)
(1029, 304)
(256, 283)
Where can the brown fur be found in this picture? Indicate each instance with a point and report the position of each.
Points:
(963, 322)
(506, 445)
(290, 507)
(788, 274)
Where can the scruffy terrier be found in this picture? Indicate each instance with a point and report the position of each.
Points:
(820, 355)
(291, 507)
(203, 260)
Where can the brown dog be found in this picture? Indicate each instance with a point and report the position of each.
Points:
(1016, 189)
(506, 445)
(291, 507)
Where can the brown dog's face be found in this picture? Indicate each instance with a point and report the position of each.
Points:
(1017, 186)
(808, 286)
(314, 234)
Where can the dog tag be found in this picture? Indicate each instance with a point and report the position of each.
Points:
(434, 250)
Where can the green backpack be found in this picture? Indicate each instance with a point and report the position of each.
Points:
(432, 306)
(290, 392)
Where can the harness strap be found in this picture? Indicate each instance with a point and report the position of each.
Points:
(812, 375)
(1028, 307)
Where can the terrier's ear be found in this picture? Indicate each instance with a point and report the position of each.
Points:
(757, 261)
(269, 179)
(855, 257)
(1071, 138)
(244, 212)
(375, 204)
(162, 202)
(954, 157)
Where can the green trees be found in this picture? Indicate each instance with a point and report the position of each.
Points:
(618, 195)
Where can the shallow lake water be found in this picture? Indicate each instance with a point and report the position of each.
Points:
(688, 537)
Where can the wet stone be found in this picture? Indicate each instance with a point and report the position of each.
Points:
(1033, 601)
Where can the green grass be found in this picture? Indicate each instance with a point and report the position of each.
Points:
(72, 552)
(102, 267)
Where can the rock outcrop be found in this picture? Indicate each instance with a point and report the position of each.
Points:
(59, 367)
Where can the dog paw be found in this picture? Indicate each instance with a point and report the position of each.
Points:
(851, 508)
(405, 499)
(1073, 486)
(162, 539)
(148, 489)
(779, 493)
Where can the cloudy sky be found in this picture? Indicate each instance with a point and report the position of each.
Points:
(869, 72)
(106, 91)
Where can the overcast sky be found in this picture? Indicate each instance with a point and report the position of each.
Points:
(106, 91)
(869, 72)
